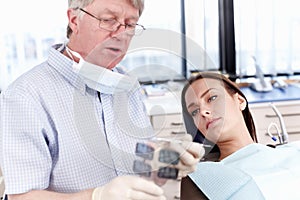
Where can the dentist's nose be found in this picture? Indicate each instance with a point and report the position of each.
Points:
(120, 32)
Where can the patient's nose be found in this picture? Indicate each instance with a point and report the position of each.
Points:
(205, 112)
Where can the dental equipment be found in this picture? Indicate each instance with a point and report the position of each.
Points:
(269, 131)
(260, 85)
(283, 135)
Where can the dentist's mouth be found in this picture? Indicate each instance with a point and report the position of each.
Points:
(211, 122)
(115, 52)
(114, 49)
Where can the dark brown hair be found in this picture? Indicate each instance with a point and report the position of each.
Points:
(230, 87)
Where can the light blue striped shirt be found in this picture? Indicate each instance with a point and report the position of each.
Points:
(57, 135)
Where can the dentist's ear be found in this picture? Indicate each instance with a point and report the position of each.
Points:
(73, 17)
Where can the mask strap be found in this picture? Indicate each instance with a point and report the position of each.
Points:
(62, 47)
(72, 53)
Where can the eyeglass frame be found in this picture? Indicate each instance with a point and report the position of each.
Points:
(116, 21)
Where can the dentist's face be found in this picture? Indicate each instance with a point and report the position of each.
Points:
(95, 44)
(215, 112)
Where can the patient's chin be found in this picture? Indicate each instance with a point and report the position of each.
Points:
(213, 137)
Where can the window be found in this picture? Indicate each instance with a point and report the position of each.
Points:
(162, 52)
(268, 31)
(153, 56)
(26, 37)
(202, 29)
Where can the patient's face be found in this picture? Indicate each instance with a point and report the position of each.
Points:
(214, 111)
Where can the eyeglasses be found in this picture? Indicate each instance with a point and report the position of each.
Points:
(113, 25)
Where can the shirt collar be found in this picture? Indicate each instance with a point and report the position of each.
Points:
(64, 66)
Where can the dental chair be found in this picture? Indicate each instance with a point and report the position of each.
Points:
(189, 190)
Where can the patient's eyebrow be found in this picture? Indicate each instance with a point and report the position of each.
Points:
(191, 105)
(202, 95)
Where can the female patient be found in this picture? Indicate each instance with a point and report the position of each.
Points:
(219, 111)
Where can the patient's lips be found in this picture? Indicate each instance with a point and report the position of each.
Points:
(211, 122)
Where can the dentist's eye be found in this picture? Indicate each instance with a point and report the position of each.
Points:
(195, 112)
(212, 98)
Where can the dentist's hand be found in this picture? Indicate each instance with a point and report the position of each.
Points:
(128, 188)
(190, 154)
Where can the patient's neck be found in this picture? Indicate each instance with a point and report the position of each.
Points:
(230, 146)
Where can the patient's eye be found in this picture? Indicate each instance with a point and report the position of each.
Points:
(212, 98)
(195, 112)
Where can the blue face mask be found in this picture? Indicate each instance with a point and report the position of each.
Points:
(102, 79)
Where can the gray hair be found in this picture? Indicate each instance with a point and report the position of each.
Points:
(75, 4)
